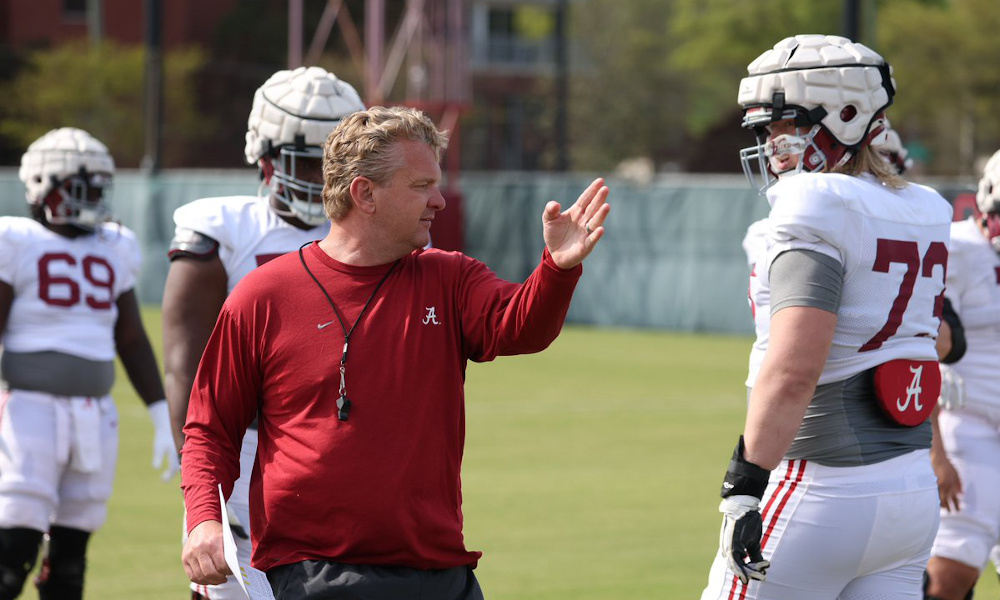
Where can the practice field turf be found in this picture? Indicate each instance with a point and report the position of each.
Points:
(591, 472)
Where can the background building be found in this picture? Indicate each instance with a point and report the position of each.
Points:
(490, 63)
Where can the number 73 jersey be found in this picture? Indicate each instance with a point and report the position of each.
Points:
(893, 248)
(65, 289)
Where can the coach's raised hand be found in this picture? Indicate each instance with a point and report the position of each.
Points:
(570, 236)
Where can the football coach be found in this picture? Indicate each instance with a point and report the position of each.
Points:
(352, 353)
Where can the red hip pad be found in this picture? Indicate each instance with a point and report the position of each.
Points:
(908, 390)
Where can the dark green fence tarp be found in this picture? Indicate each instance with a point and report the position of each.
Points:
(671, 258)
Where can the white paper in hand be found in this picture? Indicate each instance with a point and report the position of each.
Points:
(253, 582)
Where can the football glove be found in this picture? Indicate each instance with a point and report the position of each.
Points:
(163, 440)
(952, 388)
(740, 539)
(742, 526)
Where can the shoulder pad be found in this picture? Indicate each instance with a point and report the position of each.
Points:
(188, 243)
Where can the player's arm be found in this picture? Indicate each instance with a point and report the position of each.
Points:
(951, 343)
(799, 342)
(195, 290)
(6, 300)
(798, 346)
(949, 481)
(135, 351)
(951, 348)
(136, 354)
(806, 287)
(805, 292)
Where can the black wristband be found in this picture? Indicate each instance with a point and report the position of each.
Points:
(744, 478)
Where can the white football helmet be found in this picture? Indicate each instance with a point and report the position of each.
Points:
(988, 196)
(890, 146)
(835, 88)
(68, 175)
(988, 199)
(293, 113)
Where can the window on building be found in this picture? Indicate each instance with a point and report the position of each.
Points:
(74, 8)
(520, 34)
(501, 21)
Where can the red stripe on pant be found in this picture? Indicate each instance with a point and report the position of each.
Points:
(793, 483)
(788, 494)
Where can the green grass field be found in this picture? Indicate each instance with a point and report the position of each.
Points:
(591, 472)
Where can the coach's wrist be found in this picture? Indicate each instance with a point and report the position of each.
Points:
(744, 478)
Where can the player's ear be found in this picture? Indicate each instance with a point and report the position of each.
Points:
(363, 194)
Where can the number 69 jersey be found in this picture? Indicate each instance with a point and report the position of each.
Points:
(893, 247)
(65, 289)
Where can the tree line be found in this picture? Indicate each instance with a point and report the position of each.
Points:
(650, 80)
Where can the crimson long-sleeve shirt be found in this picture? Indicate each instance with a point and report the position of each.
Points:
(383, 487)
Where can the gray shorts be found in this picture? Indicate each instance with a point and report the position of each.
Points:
(322, 580)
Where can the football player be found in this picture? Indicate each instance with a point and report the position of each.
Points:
(219, 240)
(892, 149)
(970, 430)
(951, 336)
(830, 492)
(67, 306)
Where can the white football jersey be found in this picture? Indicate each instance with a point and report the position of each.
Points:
(248, 231)
(974, 291)
(758, 295)
(893, 246)
(753, 242)
(65, 289)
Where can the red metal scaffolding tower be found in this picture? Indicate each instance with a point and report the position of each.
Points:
(427, 55)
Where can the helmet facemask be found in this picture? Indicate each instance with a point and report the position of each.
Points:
(294, 171)
(78, 200)
(293, 114)
(818, 149)
(808, 147)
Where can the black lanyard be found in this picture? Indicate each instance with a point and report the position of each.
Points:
(343, 403)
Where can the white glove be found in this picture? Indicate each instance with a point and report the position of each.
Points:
(742, 528)
(952, 389)
(163, 440)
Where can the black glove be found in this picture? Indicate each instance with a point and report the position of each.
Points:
(742, 527)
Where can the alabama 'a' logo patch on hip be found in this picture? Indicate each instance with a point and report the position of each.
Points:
(908, 390)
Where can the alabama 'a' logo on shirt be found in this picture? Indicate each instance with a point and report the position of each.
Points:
(430, 318)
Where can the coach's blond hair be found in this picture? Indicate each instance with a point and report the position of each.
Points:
(363, 145)
(868, 160)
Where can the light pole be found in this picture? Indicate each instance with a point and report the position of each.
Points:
(153, 97)
(852, 20)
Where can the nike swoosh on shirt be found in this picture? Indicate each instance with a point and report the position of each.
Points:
(324, 325)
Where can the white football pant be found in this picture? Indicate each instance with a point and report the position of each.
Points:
(972, 442)
(842, 533)
(57, 460)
